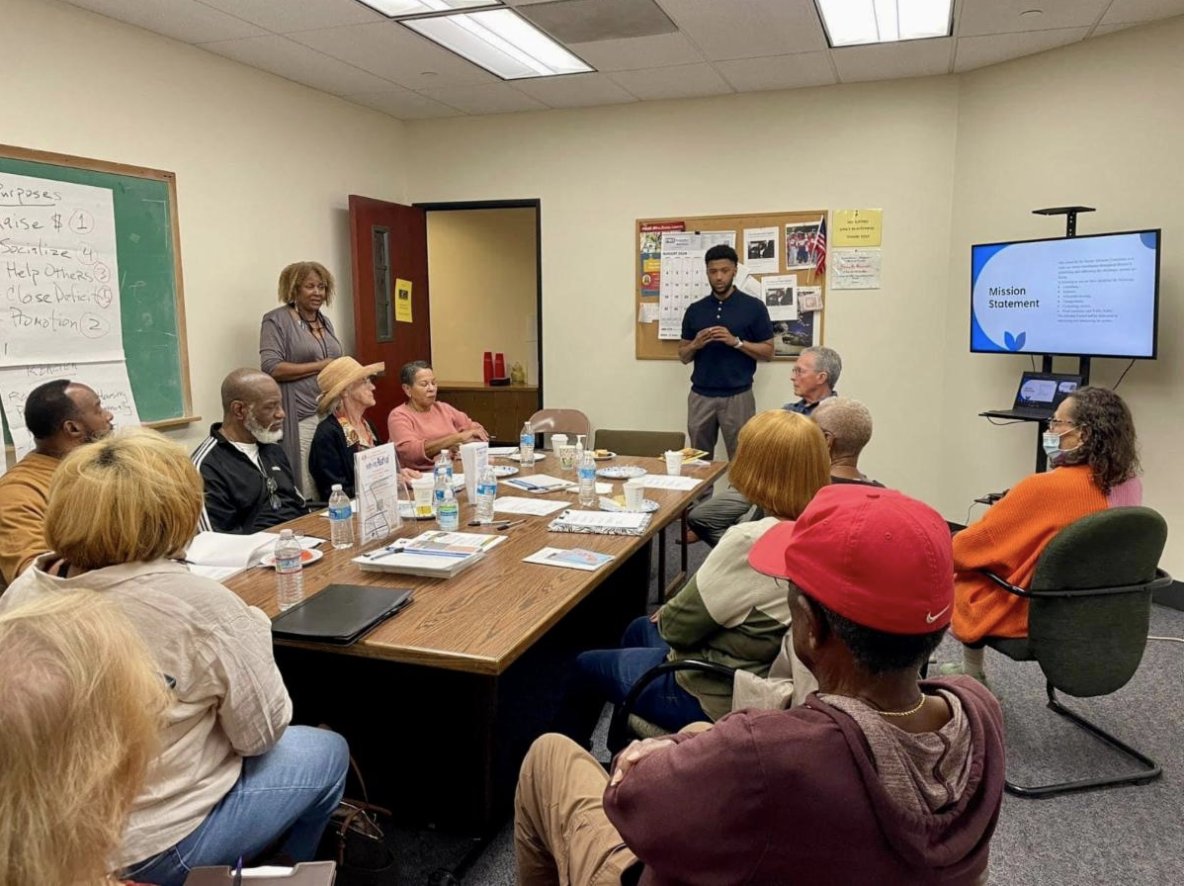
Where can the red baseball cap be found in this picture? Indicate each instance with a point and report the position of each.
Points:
(875, 556)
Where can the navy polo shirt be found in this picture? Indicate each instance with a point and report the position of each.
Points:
(805, 408)
(719, 370)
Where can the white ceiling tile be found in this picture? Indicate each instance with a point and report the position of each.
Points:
(184, 20)
(279, 55)
(979, 17)
(403, 104)
(497, 99)
(681, 81)
(575, 91)
(976, 52)
(635, 53)
(1122, 11)
(891, 61)
(391, 51)
(1100, 30)
(748, 28)
(778, 72)
(281, 16)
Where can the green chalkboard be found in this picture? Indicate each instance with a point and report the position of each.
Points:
(147, 247)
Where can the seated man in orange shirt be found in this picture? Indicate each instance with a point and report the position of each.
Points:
(61, 415)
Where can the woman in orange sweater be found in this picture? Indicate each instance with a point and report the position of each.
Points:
(1093, 452)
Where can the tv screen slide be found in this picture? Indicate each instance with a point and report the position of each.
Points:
(1092, 296)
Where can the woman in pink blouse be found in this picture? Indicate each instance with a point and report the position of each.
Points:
(422, 427)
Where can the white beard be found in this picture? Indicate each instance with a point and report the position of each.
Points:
(260, 433)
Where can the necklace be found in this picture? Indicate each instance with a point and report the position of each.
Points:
(922, 699)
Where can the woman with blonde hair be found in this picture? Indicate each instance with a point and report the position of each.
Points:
(297, 341)
(81, 707)
(232, 775)
(727, 613)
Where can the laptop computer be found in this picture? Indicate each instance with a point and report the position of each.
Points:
(1039, 394)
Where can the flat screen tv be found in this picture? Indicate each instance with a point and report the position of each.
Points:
(1090, 296)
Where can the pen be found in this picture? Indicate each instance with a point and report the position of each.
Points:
(238, 881)
(502, 526)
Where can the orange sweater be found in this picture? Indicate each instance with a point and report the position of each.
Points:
(1007, 541)
(24, 492)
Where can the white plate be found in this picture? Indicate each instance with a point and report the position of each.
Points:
(648, 507)
(607, 457)
(538, 456)
(501, 471)
(621, 472)
(307, 556)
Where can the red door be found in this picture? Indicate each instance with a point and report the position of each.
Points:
(389, 242)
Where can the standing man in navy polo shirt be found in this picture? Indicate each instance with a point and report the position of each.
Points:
(725, 334)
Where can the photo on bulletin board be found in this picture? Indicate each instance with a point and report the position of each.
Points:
(792, 337)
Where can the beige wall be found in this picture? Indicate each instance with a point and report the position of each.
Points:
(482, 279)
(263, 165)
(596, 171)
(1097, 124)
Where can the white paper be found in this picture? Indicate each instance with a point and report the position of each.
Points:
(58, 272)
(613, 519)
(376, 473)
(535, 507)
(108, 380)
(502, 451)
(537, 483)
(761, 250)
(854, 268)
(648, 312)
(220, 555)
(598, 487)
(682, 277)
(474, 458)
(667, 481)
(570, 558)
(780, 296)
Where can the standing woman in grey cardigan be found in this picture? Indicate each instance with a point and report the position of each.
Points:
(297, 341)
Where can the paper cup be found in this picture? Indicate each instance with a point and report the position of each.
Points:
(675, 462)
(422, 496)
(633, 489)
(558, 440)
(567, 455)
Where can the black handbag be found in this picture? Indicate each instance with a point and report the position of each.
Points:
(356, 840)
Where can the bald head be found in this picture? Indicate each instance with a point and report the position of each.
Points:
(251, 407)
(847, 424)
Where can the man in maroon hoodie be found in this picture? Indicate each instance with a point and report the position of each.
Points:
(876, 778)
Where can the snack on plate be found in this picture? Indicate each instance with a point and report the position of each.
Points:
(601, 453)
(690, 454)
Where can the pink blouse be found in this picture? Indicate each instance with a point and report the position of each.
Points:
(409, 429)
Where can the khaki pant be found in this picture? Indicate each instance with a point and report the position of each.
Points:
(562, 834)
(708, 414)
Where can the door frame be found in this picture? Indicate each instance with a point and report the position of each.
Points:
(528, 203)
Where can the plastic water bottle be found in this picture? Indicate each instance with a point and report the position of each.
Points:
(526, 445)
(443, 465)
(587, 480)
(290, 580)
(487, 489)
(448, 511)
(439, 485)
(341, 519)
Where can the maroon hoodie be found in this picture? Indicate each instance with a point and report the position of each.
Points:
(775, 797)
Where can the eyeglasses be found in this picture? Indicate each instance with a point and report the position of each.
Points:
(797, 371)
(273, 498)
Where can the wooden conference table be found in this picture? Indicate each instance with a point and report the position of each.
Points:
(440, 703)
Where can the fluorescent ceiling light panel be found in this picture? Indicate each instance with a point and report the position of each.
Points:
(500, 41)
(393, 8)
(859, 22)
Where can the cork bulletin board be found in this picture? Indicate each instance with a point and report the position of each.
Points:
(794, 252)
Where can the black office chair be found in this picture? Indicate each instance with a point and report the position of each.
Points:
(1089, 620)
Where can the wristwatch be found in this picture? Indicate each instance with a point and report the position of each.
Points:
(739, 343)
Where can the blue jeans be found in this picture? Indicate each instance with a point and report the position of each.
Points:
(293, 788)
(609, 675)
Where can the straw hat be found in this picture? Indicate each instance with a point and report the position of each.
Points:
(339, 375)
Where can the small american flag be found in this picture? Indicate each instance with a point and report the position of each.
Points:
(820, 245)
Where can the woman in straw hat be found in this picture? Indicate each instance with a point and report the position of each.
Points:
(346, 393)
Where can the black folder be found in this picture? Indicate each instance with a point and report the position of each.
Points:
(340, 614)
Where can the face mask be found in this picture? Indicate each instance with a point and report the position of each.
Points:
(1050, 445)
